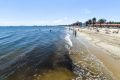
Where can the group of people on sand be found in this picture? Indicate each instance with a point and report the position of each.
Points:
(116, 31)
(107, 31)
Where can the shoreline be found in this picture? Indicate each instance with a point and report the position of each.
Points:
(101, 49)
(73, 57)
(86, 65)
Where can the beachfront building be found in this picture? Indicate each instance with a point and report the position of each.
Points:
(107, 25)
(78, 24)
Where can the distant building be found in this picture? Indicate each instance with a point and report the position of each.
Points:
(77, 24)
(107, 25)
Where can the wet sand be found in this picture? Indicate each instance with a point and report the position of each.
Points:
(111, 62)
(87, 65)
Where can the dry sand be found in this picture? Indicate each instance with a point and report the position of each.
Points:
(106, 47)
(109, 42)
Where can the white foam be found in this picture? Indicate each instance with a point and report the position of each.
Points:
(68, 40)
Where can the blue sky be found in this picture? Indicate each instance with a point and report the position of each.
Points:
(52, 12)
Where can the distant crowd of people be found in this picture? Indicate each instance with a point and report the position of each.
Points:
(107, 30)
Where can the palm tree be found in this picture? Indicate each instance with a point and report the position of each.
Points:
(86, 23)
(101, 21)
(93, 21)
(89, 22)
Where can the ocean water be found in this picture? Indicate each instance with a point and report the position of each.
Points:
(26, 53)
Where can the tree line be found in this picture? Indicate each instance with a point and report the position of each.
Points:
(93, 21)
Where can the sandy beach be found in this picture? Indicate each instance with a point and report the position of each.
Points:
(104, 46)
(110, 42)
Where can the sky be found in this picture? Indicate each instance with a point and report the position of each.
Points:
(56, 12)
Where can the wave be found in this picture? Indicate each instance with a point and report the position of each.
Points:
(5, 36)
(68, 41)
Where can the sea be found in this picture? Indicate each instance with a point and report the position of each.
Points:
(35, 53)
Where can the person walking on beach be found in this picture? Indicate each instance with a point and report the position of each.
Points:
(75, 33)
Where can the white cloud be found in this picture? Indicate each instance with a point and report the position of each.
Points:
(58, 21)
(86, 11)
(64, 20)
